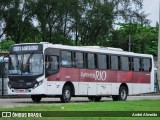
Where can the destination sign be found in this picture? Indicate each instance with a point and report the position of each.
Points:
(19, 48)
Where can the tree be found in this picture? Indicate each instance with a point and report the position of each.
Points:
(80, 22)
(17, 19)
(95, 21)
(144, 38)
(4, 4)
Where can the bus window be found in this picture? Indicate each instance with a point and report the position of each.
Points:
(102, 62)
(51, 64)
(114, 62)
(54, 63)
(136, 64)
(146, 64)
(79, 60)
(66, 59)
(124, 63)
(91, 61)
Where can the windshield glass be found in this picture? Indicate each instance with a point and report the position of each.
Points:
(26, 64)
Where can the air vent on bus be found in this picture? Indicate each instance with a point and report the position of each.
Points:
(104, 48)
(44, 42)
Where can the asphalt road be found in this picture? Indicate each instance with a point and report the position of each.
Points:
(12, 102)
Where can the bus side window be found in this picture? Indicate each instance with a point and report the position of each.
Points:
(114, 62)
(147, 64)
(79, 60)
(54, 63)
(51, 64)
(47, 62)
(91, 61)
(102, 62)
(66, 60)
(125, 63)
(136, 64)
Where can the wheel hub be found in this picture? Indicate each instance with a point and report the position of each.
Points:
(67, 94)
(123, 94)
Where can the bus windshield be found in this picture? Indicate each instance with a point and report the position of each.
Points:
(29, 64)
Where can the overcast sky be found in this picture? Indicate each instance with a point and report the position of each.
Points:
(152, 7)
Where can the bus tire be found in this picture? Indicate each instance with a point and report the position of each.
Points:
(123, 93)
(66, 94)
(94, 99)
(36, 98)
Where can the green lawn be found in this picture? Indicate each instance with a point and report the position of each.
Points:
(141, 105)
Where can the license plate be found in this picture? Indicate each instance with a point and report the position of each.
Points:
(21, 90)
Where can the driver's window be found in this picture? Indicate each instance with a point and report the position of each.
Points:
(54, 63)
(51, 64)
(48, 62)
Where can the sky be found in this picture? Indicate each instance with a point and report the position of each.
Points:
(151, 7)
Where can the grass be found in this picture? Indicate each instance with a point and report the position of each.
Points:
(141, 105)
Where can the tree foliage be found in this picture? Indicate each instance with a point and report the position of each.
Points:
(144, 38)
(4, 45)
(76, 22)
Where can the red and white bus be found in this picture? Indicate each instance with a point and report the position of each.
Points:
(45, 69)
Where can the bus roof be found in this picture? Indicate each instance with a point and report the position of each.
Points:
(100, 49)
(97, 49)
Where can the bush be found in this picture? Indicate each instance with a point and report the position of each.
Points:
(5, 45)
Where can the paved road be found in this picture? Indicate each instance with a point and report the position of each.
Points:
(12, 102)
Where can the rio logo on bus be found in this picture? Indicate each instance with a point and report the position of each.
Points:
(98, 75)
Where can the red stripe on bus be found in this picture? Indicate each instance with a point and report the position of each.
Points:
(85, 75)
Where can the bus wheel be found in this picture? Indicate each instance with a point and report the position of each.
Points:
(36, 98)
(66, 94)
(123, 93)
(94, 99)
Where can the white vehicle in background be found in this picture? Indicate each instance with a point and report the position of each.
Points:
(3, 75)
(156, 88)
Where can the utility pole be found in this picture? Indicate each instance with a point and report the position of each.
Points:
(129, 44)
(159, 50)
(130, 25)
